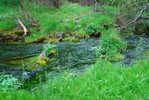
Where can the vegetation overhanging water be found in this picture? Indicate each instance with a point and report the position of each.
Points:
(72, 56)
(104, 65)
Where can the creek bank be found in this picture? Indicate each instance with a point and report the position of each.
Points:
(53, 37)
(70, 55)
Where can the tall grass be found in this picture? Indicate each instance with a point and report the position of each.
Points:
(69, 17)
(103, 80)
(7, 18)
(111, 45)
(61, 20)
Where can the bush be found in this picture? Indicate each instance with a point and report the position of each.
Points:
(8, 82)
(10, 2)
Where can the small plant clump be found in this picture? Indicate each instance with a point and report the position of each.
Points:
(48, 50)
(9, 83)
(112, 45)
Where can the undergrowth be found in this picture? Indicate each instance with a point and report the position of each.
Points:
(104, 80)
(111, 45)
(68, 18)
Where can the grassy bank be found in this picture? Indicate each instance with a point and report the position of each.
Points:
(103, 80)
(71, 19)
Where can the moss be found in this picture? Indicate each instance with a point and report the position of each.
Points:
(16, 32)
(71, 39)
(116, 57)
(131, 33)
(42, 61)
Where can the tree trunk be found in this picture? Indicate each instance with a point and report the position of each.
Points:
(86, 2)
(54, 3)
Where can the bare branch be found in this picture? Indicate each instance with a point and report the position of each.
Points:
(103, 7)
(144, 17)
(138, 16)
(23, 26)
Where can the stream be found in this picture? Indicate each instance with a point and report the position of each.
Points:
(72, 56)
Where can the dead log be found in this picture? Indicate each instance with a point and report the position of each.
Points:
(144, 17)
(104, 8)
(27, 15)
(138, 16)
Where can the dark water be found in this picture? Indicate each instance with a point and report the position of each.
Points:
(137, 48)
(14, 51)
(69, 55)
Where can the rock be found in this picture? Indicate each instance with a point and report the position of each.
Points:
(42, 59)
(59, 34)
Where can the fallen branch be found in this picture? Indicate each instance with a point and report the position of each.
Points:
(103, 7)
(29, 17)
(138, 16)
(23, 26)
(42, 55)
(144, 17)
(140, 13)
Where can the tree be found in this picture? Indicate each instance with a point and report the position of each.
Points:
(86, 2)
(54, 3)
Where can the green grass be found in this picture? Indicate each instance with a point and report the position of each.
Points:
(68, 18)
(60, 20)
(7, 18)
(103, 80)
(9, 3)
(112, 45)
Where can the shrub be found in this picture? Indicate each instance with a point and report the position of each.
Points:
(8, 82)
(10, 2)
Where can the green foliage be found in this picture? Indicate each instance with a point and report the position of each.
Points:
(132, 8)
(95, 22)
(49, 46)
(111, 45)
(119, 2)
(71, 39)
(10, 2)
(104, 80)
(62, 19)
(50, 49)
(7, 24)
(68, 18)
(7, 18)
(73, 8)
(8, 82)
